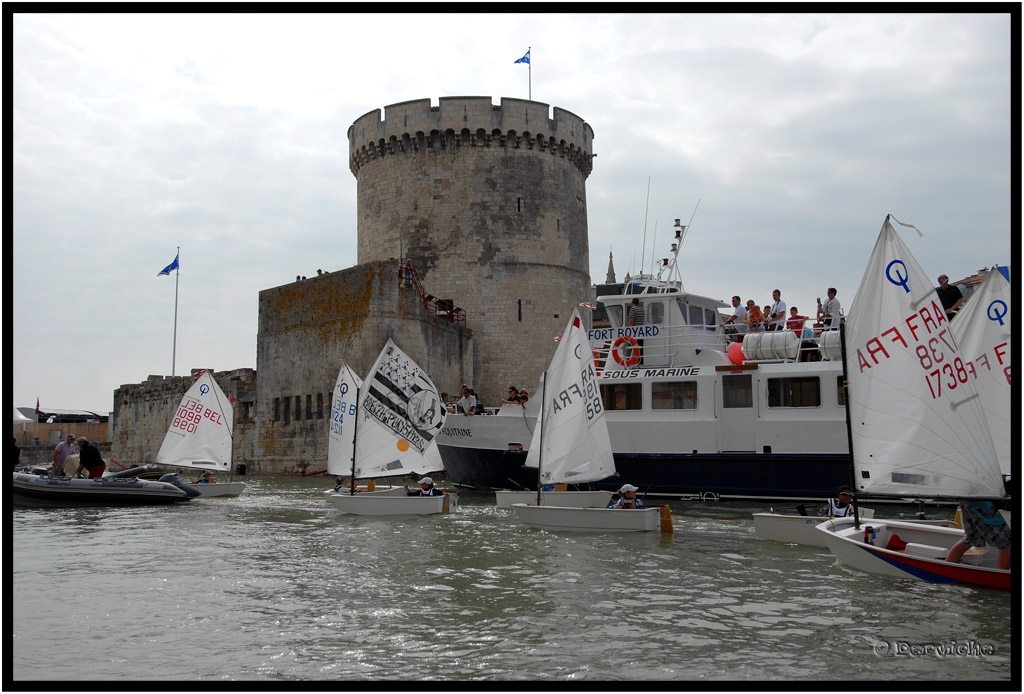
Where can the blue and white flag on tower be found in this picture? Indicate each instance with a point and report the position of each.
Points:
(525, 58)
(173, 266)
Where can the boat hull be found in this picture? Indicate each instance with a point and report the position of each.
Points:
(565, 518)
(380, 504)
(35, 490)
(577, 499)
(740, 475)
(923, 559)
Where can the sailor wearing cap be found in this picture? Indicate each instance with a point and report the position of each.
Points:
(426, 488)
(627, 498)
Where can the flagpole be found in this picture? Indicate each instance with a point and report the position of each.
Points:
(174, 348)
(529, 74)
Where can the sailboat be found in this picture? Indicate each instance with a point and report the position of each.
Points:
(915, 423)
(982, 329)
(199, 436)
(393, 419)
(571, 445)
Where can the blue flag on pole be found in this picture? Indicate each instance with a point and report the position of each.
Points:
(525, 58)
(167, 270)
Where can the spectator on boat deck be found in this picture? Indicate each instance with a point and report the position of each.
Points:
(950, 296)
(795, 322)
(754, 317)
(206, 477)
(736, 324)
(466, 401)
(524, 395)
(426, 488)
(841, 506)
(89, 458)
(637, 317)
(513, 396)
(830, 313)
(61, 453)
(983, 524)
(627, 498)
(775, 316)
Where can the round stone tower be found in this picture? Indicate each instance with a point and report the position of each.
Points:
(489, 202)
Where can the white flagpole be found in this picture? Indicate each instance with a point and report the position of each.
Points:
(529, 74)
(177, 274)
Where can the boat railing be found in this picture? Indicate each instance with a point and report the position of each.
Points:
(680, 345)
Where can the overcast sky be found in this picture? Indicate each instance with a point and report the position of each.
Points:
(226, 135)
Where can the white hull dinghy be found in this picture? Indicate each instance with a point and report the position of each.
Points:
(385, 427)
(577, 499)
(917, 426)
(598, 520)
(200, 437)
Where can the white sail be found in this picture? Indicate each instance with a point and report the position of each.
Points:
(200, 432)
(575, 446)
(400, 414)
(916, 419)
(342, 427)
(982, 329)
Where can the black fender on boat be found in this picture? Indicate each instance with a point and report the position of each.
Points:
(172, 478)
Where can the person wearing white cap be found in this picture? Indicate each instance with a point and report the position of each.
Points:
(627, 498)
(426, 488)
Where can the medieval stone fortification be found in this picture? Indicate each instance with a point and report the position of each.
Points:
(488, 201)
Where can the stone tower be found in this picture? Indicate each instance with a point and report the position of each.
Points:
(490, 204)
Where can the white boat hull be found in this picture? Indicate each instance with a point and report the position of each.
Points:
(923, 558)
(802, 530)
(377, 504)
(379, 491)
(589, 519)
(220, 489)
(575, 499)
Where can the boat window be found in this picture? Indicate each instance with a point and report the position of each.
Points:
(654, 313)
(711, 318)
(737, 391)
(676, 395)
(841, 393)
(804, 391)
(694, 315)
(622, 396)
(615, 315)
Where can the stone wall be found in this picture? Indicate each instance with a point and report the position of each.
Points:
(489, 201)
(307, 328)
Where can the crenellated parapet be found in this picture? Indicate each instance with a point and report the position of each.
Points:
(458, 121)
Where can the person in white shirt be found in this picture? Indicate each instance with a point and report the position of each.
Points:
(736, 324)
(829, 314)
(776, 319)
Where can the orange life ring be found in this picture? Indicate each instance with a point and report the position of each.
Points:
(634, 352)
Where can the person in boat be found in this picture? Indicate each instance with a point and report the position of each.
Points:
(524, 395)
(829, 313)
(754, 316)
(427, 488)
(637, 317)
(983, 524)
(841, 506)
(205, 477)
(736, 324)
(61, 453)
(775, 316)
(513, 396)
(342, 485)
(89, 458)
(627, 498)
(950, 296)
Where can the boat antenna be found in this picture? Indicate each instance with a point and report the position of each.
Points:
(540, 453)
(647, 206)
(654, 240)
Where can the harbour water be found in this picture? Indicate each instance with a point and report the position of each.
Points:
(276, 586)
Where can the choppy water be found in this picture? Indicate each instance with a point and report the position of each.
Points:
(277, 586)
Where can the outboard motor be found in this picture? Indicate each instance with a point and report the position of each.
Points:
(172, 478)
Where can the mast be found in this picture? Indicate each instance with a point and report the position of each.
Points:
(355, 433)
(540, 453)
(849, 425)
